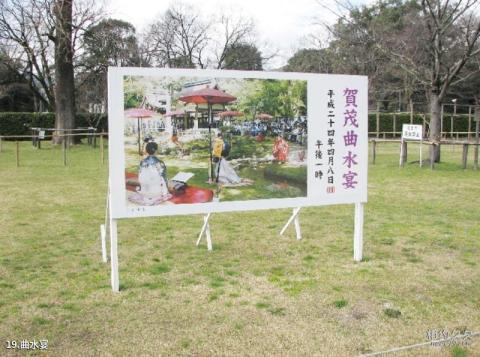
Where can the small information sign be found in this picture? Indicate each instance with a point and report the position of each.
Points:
(412, 132)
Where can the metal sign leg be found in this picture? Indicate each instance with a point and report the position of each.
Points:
(104, 228)
(293, 218)
(205, 230)
(358, 233)
(114, 255)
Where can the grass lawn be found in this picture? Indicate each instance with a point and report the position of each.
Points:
(256, 293)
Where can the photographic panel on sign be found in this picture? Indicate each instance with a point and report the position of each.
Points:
(194, 158)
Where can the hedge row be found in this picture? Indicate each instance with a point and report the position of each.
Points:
(460, 123)
(20, 123)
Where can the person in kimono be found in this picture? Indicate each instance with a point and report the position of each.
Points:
(224, 172)
(152, 179)
(280, 149)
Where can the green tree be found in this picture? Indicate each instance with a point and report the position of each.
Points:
(355, 47)
(110, 42)
(42, 35)
(24, 26)
(15, 94)
(234, 32)
(310, 60)
(243, 56)
(280, 98)
(177, 39)
(420, 38)
(182, 37)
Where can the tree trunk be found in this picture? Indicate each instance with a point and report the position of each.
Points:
(64, 80)
(435, 125)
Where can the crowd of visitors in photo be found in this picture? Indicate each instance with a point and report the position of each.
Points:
(292, 129)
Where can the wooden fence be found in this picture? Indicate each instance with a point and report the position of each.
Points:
(472, 114)
(404, 150)
(36, 142)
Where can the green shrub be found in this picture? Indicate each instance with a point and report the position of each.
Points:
(386, 121)
(393, 313)
(460, 123)
(243, 146)
(13, 123)
(340, 303)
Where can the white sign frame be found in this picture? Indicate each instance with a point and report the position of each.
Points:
(316, 85)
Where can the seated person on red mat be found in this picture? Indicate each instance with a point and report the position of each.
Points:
(152, 179)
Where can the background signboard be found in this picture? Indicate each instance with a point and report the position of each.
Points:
(294, 140)
(412, 132)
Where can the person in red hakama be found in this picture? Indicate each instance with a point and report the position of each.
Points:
(280, 149)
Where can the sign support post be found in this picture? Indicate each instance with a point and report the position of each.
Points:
(421, 147)
(114, 254)
(112, 222)
(358, 233)
(205, 230)
(293, 218)
(104, 228)
(401, 163)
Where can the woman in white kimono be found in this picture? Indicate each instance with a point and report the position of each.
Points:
(152, 177)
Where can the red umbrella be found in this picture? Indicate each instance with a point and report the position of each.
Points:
(264, 116)
(139, 113)
(208, 96)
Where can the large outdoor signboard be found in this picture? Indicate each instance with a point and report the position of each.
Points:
(195, 141)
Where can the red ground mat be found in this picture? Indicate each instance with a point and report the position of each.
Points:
(192, 194)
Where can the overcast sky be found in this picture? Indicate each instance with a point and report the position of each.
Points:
(282, 24)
